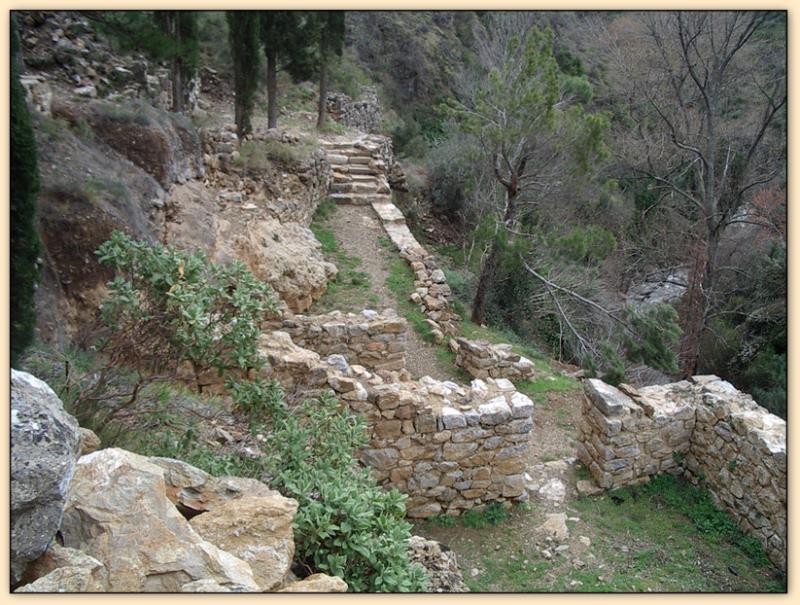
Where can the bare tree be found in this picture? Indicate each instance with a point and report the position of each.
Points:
(704, 92)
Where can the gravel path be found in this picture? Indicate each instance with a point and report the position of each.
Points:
(357, 229)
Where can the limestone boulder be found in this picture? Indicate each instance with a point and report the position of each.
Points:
(118, 512)
(318, 582)
(258, 530)
(194, 491)
(62, 569)
(286, 255)
(444, 574)
(44, 449)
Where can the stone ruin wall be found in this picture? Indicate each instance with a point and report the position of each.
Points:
(375, 341)
(363, 114)
(705, 430)
(449, 447)
(483, 360)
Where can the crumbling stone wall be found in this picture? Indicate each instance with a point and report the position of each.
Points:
(363, 114)
(375, 341)
(449, 447)
(704, 429)
(481, 359)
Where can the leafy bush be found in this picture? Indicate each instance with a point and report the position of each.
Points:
(346, 525)
(168, 306)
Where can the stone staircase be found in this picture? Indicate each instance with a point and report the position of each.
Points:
(358, 171)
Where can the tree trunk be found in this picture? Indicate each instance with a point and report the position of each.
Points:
(322, 116)
(272, 88)
(486, 278)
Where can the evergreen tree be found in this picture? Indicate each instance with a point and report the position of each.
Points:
(170, 36)
(283, 34)
(25, 243)
(329, 35)
(243, 34)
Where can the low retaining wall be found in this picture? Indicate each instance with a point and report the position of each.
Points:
(375, 341)
(483, 360)
(704, 429)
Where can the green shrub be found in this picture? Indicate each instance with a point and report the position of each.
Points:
(589, 245)
(491, 516)
(346, 525)
(177, 306)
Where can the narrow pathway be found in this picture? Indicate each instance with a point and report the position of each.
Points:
(357, 229)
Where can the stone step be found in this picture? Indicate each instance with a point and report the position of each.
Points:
(336, 159)
(355, 187)
(388, 212)
(365, 178)
(360, 159)
(362, 169)
(358, 199)
(339, 144)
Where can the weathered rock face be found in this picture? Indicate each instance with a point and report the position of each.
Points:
(258, 530)
(701, 429)
(287, 256)
(162, 143)
(363, 114)
(444, 574)
(44, 450)
(318, 582)
(484, 360)
(118, 512)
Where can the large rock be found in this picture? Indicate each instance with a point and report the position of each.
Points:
(194, 491)
(257, 529)
(318, 582)
(287, 256)
(439, 562)
(44, 449)
(118, 512)
(65, 570)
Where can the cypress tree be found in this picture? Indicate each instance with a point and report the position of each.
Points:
(25, 245)
(243, 29)
(330, 40)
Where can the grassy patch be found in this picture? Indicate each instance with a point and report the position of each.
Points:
(548, 384)
(401, 283)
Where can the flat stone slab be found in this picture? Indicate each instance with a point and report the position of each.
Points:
(610, 400)
(388, 212)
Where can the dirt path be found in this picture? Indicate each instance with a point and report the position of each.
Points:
(357, 229)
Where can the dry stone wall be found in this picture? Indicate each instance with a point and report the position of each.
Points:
(375, 341)
(449, 447)
(363, 114)
(483, 360)
(704, 429)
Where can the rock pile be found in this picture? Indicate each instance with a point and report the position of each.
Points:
(704, 429)
(483, 360)
(444, 574)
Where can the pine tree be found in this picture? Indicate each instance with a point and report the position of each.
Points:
(243, 29)
(25, 243)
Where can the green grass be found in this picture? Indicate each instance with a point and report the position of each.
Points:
(662, 537)
(548, 384)
(400, 282)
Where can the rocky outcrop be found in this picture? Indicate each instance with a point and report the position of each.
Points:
(44, 449)
(704, 429)
(444, 574)
(258, 530)
(163, 144)
(481, 359)
(118, 512)
(287, 256)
